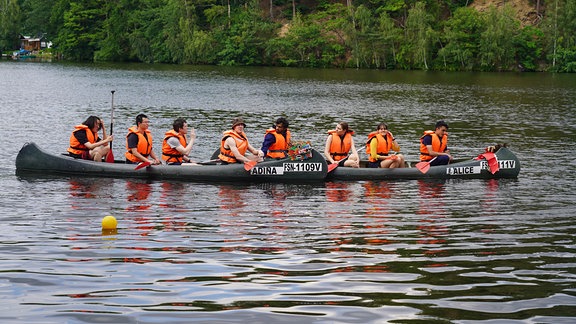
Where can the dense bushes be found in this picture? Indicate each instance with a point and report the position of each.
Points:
(374, 34)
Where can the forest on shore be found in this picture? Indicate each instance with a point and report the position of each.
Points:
(446, 35)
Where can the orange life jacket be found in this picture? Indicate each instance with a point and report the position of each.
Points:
(438, 145)
(241, 143)
(77, 147)
(279, 149)
(339, 148)
(169, 154)
(384, 144)
(144, 144)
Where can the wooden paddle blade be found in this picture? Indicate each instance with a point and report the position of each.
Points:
(249, 165)
(110, 157)
(142, 165)
(423, 166)
(332, 166)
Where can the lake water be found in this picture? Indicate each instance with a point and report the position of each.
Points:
(474, 251)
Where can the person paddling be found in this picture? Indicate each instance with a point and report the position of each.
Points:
(85, 143)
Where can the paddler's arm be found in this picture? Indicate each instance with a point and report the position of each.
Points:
(137, 154)
(374, 150)
(327, 150)
(231, 143)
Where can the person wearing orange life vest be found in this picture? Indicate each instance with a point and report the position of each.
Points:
(85, 143)
(234, 145)
(434, 145)
(378, 146)
(175, 146)
(139, 142)
(277, 140)
(340, 147)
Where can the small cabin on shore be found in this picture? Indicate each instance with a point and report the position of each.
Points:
(33, 44)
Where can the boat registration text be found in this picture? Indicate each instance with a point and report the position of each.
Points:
(286, 167)
(504, 164)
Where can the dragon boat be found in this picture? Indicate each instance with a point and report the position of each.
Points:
(307, 167)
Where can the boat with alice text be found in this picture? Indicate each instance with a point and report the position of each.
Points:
(306, 166)
(501, 163)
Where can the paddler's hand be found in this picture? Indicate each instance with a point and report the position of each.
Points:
(192, 133)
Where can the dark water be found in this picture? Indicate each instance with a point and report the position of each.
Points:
(469, 251)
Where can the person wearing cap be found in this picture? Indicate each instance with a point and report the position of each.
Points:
(234, 145)
(340, 147)
(277, 140)
(139, 142)
(378, 147)
(176, 147)
(434, 145)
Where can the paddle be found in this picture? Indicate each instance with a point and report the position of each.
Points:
(492, 161)
(249, 165)
(142, 165)
(424, 166)
(110, 155)
(332, 166)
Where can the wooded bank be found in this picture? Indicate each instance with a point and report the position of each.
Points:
(445, 35)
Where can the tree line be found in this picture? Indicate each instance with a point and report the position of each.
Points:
(445, 35)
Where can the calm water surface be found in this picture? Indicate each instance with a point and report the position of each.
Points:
(475, 251)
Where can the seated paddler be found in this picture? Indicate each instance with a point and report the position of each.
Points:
(139, 142)
(234, 145)
(85, 142)
(277, 140)
(176, 147)
(378, 147)
(340, 147)
(434, 145)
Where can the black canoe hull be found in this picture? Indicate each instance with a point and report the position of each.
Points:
(509, 167)
(33, 160)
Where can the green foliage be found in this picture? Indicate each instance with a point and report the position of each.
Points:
(419, 36)
(382, 34)
(565, 60)
(461, 38)
(496, 48)
(244, 37)
(9, 25)
(35, 17)
(78, 39)
(528, 46)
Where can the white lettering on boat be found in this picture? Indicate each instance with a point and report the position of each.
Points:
(503, 164)
(302, 167)
(507, 164)
(464, 170)
(259, 170)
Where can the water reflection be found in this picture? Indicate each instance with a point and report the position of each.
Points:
(174, 196)
(338, 192)
(231, 200)
(432, 212)
(138, 194)
(363, 252)
(378, 195)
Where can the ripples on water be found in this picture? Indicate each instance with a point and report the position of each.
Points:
(362, 252)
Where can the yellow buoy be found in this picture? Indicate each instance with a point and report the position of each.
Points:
(109, 223)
